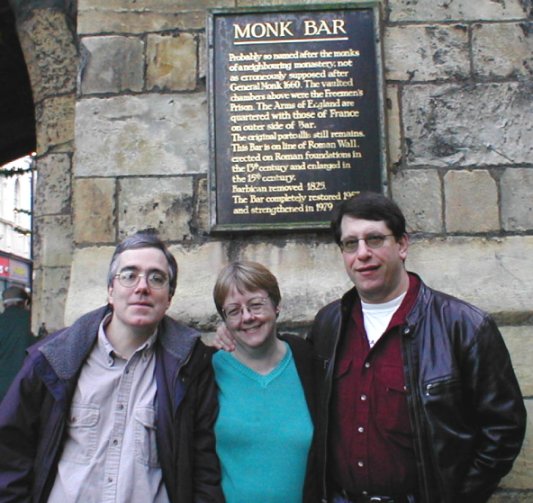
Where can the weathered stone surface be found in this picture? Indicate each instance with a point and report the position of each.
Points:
(141, 135)
(441, 124)
(202, 57)
(394, 126)
(164, 204)
(94, 210)
(52, 283)
(55, 124)
(171, 61)
(516, 199)
(494, 274)
(201, 212)
(50, 53)
(520, 477)
(52, 242)
(502, 50)
(427, 52)
(418, 193)
(53, 184)
(112, 64)
(198, 267)
(310, 275)
(444, 10)
(121, 16)
(88, 281)
(471, 202)
(519, 341)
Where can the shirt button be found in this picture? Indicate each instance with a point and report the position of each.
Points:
(363, 397)
(367, 365)
(360, 464)
(115, 442)
(360, 429)
(120, 406)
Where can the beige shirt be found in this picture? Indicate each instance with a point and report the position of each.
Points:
(110, 453)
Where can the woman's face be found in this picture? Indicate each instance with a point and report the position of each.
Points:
(250, 317)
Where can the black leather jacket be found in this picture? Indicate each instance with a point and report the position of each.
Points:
(465, 405)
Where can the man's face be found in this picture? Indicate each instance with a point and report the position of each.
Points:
(378, 274)
(140, 307)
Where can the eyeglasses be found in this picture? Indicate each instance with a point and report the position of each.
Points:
(373, 241)
(129, 278)
(256, 306)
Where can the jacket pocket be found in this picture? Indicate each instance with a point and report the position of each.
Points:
(145, 437)
(82, 437)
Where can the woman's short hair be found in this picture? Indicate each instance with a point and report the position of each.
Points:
(245, 275)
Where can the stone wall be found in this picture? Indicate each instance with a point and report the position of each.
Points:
(123, 144)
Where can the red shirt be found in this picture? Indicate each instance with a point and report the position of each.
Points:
(371, 441)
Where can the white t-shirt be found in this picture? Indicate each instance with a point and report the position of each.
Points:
(377, 317)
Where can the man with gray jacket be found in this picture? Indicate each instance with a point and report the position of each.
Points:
(118, 407)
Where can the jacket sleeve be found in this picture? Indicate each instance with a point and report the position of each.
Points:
(499, 412)
(206, 478)
(19, 425)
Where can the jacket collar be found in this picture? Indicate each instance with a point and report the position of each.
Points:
(67, 350)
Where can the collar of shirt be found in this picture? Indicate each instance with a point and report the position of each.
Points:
(109, 352)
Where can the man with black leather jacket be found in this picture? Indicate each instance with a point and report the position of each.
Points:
(419, 401)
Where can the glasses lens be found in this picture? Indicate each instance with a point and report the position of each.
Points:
(350, 245)
(255, 306)
(375, 241)
(157, 280)
(128, 278)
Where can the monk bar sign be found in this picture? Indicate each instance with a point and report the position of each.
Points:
(296, 114)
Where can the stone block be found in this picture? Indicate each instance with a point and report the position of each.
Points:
(50, 52)
(442, 124)
(502, 50)
(54, 118)
(88, 281)
(121, 16)
(112, 64)
(164, 204)
(198, 268)
(48, 307)
(519, 342)
(394, 126)
(426, 52)
(493, 273)
(157, 134)
(53, 189)
(471, 199)
(516, 201)
(310, 275)
(464, 10)
(201, 212)
(202, 57)
(94, 210)
(171, 62)
(52, 243)
(418, 193)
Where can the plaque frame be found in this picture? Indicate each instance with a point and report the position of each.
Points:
(218, 162)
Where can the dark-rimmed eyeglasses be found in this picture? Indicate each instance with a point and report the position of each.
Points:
(374, 241)
(129, 278)
(256, 306)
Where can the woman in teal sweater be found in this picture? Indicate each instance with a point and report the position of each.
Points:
(264, 428)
